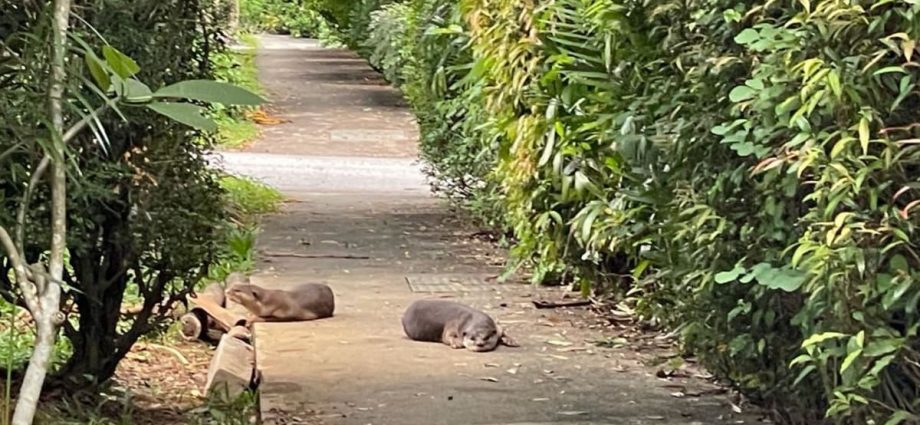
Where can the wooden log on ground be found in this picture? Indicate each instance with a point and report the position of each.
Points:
(232, 369)
(223, 318)
(194, 325)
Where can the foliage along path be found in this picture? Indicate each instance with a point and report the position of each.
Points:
(362, 220)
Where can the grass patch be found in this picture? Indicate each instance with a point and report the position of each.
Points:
(235, 133)
(250, 198)
(247, 200)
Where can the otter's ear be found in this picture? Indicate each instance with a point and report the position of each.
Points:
(505, 339)
(256, 294)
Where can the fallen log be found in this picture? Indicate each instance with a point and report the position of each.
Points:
(223, 318)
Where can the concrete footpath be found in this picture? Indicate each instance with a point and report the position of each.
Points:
(361, 219)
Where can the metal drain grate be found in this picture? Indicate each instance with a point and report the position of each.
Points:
(446, 283)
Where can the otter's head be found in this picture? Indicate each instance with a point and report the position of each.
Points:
(483, 337)
(245, 295)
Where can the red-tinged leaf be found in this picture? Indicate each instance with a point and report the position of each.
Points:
(899, 193)
(906, 211)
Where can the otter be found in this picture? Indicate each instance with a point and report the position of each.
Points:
(454, 324)
(304, 302)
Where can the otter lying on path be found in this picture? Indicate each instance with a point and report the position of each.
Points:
(453, 324)
(304, 302)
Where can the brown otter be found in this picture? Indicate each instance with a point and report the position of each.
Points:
(308, 301)
(453, 324)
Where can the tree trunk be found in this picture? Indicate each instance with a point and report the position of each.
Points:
(95, 345)
(47, 316)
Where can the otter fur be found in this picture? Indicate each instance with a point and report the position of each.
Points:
(454, 324)
(309, 301)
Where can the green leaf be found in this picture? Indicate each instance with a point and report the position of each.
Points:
(747, 36)
(756, 84)
(864, 134)
(890, 69)
(731, 275)
(743, 148)
(185, 113)
(97, 70)
(833, 81)
(848, 361)
(210, 91)
(900, 416)
(819, 338)
(740, 94)
(788, 280)
(805, 372)
(804, 358)
(123, 66)
(882, 347)
(548, 148)
(640, 268)
(136, 91)
(899, 263)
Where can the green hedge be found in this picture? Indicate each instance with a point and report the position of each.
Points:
(747, 172)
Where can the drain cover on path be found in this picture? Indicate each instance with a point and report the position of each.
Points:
(446, 283)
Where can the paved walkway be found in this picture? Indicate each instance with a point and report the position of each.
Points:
(362, 220)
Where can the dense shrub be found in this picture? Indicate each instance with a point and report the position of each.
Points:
(145, 211)
(746, 172)
(298, 18)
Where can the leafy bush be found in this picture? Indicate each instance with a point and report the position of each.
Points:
(145, 211)
(388, 47)
(746, 172)
(299, 18)
(295, 17)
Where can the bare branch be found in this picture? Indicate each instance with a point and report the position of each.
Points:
(26, 200)
(29, 291)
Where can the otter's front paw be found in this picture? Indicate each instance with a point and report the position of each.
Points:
(453, 340)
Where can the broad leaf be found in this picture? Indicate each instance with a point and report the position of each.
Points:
(211, 92)
(123, 66)
(747, 36)
(97, 70)
(185, 113)
(725, 277)
(740, 94)
(136, 92)
(788, 280)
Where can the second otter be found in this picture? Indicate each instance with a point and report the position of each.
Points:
(454, 324)
(309, 301)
